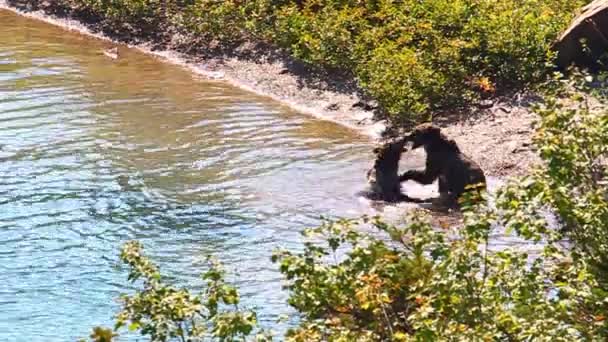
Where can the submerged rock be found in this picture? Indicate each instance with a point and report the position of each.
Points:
(111, 53)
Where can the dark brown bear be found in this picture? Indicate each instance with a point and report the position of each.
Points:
(444, 161)
(383, 177)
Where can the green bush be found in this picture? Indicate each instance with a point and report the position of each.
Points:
(418, 284)
(415, 57)
(135, 18)
(399, 79)
(163, 312)
(209, 21)
(573, 141)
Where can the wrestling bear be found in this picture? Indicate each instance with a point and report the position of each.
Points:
(444, 161)
(383, 177)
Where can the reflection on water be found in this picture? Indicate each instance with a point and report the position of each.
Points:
(95, 152)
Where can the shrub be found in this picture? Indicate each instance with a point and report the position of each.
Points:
(224, 22)
(399, 79)
(417, 283)
(416, 57)
(134, 18)
(573, 141)
(163, 312)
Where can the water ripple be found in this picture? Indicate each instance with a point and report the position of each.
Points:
(95, 152)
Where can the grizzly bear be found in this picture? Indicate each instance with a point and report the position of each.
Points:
(383, 177)
(444, 161)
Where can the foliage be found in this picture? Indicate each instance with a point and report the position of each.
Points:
(416, 283)
(129, 17)
(573, 141)
(163, 312)
(413, 57)
(100, 334)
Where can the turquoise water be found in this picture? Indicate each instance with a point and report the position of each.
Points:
(95, 152)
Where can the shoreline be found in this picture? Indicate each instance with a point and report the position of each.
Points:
(246, 75)
(497, 137)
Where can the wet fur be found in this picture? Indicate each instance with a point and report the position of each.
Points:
(445, 162)
(383, 177)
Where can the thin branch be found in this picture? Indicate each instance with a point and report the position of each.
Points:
(181, 332)
(388, 321)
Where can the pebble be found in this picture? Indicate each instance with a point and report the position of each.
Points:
(333, 106)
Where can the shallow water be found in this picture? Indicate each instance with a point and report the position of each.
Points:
(95, 152)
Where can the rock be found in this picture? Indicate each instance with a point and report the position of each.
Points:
(512, 146)
(214, 75)
(123, 181)
(333, 106)
(363, 105)
(364, 121)
(485, 104)
(592, 26)
(111, 53)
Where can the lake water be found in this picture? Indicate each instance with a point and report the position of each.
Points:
(95, 152)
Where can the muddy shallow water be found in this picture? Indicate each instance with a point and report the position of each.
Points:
(95, 152)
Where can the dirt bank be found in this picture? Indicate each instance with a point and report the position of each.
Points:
(497, 137)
